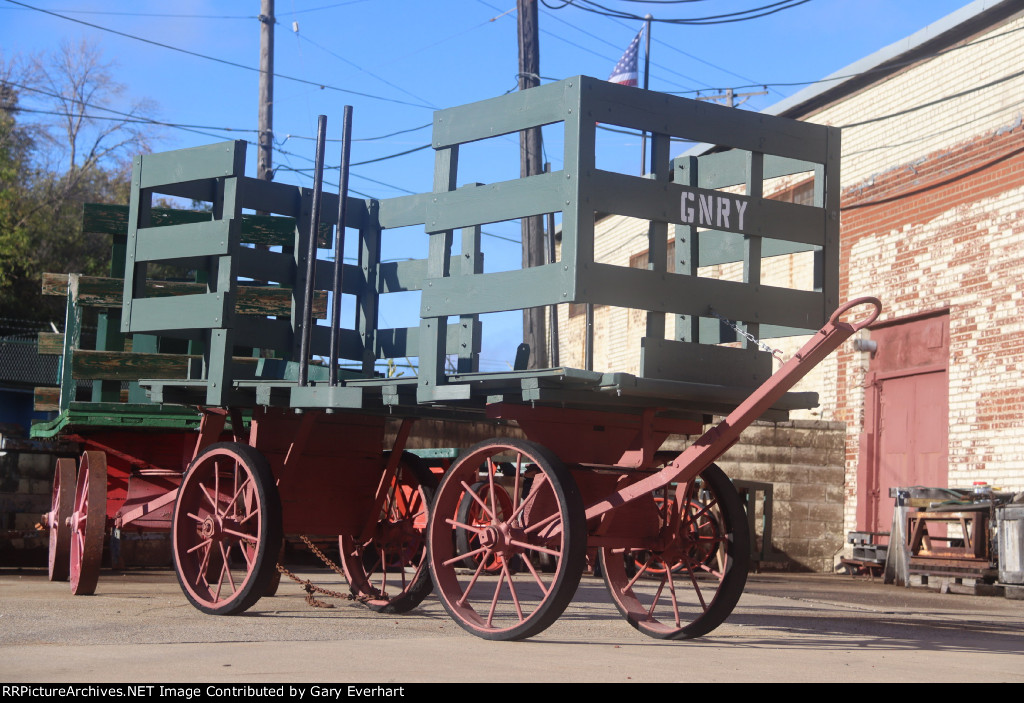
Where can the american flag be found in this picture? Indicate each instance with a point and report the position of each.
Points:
(625, 70)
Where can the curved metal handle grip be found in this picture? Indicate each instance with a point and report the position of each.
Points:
(861, 324)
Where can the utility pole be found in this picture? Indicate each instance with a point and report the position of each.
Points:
(264, 165)
(729, 96)
(530, 165)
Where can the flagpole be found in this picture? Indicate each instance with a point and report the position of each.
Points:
(647, 78)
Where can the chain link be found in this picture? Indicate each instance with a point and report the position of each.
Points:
(311, 588)
(776, 353)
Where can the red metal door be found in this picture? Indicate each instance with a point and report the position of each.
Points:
(906, 416)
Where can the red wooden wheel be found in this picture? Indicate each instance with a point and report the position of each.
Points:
(547, 520)
(708, 538)
(226, 531)
(389, 571)
(62, 504)
(88, 523)
(491, 494)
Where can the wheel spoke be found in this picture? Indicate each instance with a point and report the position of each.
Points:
(536, 577)
(512, 590)
(470, 493)
(227, 519)
(476, 529)
(502, 535)
(397, 543)
(702, 534)
(535, 548)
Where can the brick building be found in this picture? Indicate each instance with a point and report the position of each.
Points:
(933, 224)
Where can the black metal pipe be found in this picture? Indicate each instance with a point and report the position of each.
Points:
(339, 242)
(314, 231)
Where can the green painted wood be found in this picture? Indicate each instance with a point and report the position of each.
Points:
(286, 200)
(402, 211)
(645, 198)
(401, 276)
(727, 247)
(604, 284)
(497, 292)
(50, 343)
(256, 229)
(686, 251)
(97, 291)
(264, 333)
(702, 121)
(832, 192)
(367, 301)
(210, 238)
(325, 396)
(724, 169)
(496, 202)
(203, 311)
(46, 399)
(578, 165)
(751, 240)
(434, 327)
(536, 107)
(196, 164)
(90, 364)
(402, 342)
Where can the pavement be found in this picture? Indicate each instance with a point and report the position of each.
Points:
(139, 628)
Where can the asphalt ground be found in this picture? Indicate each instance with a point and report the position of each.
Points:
(787, 628)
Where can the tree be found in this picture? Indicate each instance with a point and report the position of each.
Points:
(63, 142)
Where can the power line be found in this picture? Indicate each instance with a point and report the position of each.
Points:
(303, 37)
(887, 68)
(365, 139)
(372, 161)
(932, 103)
(741, 16)
(616, 46)
(322, 86)
(133, 120)
(157, 14)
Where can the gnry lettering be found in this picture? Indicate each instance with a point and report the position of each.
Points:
(710, 210)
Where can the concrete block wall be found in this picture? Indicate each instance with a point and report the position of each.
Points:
(804, 460)
(26, 482)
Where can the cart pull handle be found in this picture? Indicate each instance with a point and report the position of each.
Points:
(861, 324)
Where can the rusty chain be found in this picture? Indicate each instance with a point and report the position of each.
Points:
(310, 588)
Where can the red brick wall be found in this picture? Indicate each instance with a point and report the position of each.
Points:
(947, 232)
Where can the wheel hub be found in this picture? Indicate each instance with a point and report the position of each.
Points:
(208, 528)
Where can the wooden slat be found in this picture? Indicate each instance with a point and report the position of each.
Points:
(131, 366)
(50, 343)
(256, 229)
(46, 399)
(98, 291)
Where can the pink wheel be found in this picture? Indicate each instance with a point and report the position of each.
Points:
(708, 547)
(62, 504)
(226, 531)
(88, 523)
(522, 600)
(470, 513)
(389, 571)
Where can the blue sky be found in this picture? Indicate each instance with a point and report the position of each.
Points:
(416, 55)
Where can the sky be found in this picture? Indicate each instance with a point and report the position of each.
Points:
(395, 61)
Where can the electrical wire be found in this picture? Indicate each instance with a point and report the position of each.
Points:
(887, 68)
(741, 16)
(303, 37)
(322, 86)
